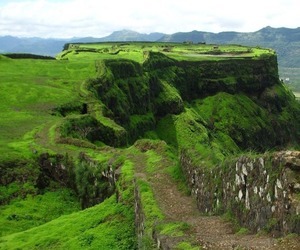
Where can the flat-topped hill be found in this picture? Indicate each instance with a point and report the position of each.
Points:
(137, 51)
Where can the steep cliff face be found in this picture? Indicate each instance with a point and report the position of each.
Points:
(137, 97)
(200, 79)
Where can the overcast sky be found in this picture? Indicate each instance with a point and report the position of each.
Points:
(98, 18)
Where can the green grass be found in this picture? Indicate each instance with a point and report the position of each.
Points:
(243, 231)
(33, 211)
(174, 229)
(31, 89)
(153, 161)
(186, 132)
(151, 209)
(187, 246)
(137, 51)
(236, 116)
(108, 225)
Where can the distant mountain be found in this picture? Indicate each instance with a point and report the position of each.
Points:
(265, 35)
(129, 35)
(51, 47)
(31, 45)
(285, 41)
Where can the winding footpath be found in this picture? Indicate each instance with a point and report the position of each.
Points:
(208, 232)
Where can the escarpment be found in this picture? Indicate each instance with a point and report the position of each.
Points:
(215, 118)
(135, 98)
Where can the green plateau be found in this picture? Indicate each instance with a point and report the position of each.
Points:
(81, 132)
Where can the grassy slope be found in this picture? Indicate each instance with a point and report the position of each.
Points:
(109, 225)
(33, 211)
(32, 88)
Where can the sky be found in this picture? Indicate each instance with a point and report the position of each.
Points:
(98, 18)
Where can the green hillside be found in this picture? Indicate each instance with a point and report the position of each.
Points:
(82, 132)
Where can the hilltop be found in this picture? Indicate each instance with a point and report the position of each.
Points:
(284, 41)
(149, 140)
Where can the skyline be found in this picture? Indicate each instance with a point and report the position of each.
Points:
(82, 18)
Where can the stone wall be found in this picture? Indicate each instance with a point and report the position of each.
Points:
(263, 193)
(139, 215)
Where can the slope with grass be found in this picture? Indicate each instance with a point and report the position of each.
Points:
(67, 124)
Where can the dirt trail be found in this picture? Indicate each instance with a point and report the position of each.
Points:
(209, 232)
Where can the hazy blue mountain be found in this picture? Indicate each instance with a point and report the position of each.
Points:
(31, 45)
(284, 40)
(52, 46)
(265, 35)
(129, 35)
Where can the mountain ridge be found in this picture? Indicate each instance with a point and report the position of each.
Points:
(14, 44)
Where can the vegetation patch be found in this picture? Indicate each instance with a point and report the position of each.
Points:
(108, 225)
(23, 214)
(174, 229)
(28, 56)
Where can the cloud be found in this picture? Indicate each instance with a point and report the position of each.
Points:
(69, 18)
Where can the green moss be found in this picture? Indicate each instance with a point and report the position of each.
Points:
(151, 210)
(139, 124)
(271, 224)
(243, 231)
(187, 246)
(238, 117)
(174, 229)
(169, 101)
(124, 68)
(153, 161)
